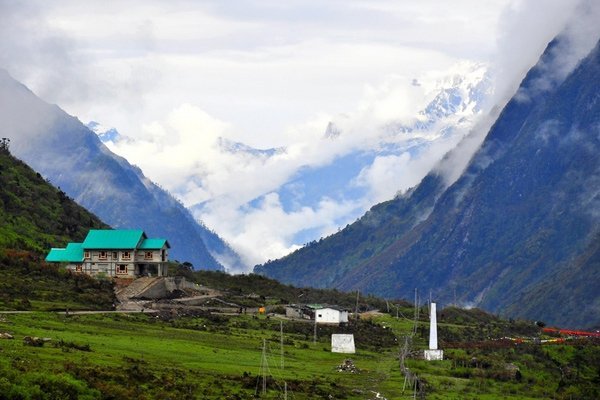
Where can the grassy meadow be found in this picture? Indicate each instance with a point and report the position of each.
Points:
(159, 356)
(148, 356)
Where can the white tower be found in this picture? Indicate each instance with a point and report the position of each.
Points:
(433, 353)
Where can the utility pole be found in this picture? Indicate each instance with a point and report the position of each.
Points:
(429, 305)
(264, 368)
(281, 341)
(315, 334)
(356, 309)
(416, 313)
(455, 296)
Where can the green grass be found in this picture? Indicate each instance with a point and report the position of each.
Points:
(208, 356)
(203, 355)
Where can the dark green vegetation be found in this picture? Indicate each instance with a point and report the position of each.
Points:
(520, 371)
(33, 217)
(517, 233)
(28, 283)
(256, 290)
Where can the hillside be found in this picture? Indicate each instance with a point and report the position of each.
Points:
(35, 216)
(522, 214)
(72, 157)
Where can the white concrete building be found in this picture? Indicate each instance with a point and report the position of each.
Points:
(330, 315)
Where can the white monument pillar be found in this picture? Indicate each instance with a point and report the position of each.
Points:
(433, 329)
(433, 353)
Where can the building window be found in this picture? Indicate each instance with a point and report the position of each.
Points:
(86, 254)
(78, 268)
(126, 255)
(148, 255)
(121, 269)
(115, 255)
(103, 255)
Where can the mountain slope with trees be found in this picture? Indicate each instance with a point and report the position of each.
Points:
(523, 213)
(35, 216)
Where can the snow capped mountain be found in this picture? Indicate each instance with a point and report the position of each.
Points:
(518, 232)
(228, 146)
(451, 106)
(104, 134)
(268, 202)
(452, 100)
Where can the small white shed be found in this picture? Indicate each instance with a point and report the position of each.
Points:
(330, 315)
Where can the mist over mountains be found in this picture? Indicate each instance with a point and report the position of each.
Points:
(516, 233)
(510, 225)
(72, 157)
(269, 201)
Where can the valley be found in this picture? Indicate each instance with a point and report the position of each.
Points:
(203, 353)
(348, 200)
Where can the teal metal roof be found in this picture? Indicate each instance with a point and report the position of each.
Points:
(104, 239)
(154, 244)
(73, 253)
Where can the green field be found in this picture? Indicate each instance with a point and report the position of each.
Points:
(143, 356)
(152, 356)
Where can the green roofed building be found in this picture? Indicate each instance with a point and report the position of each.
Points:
(115, 253)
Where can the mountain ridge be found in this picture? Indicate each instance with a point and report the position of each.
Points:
(504, 225)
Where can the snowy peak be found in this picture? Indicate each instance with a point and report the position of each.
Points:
(229, 146)
(453, 98)
(104, 134)
(332, 131)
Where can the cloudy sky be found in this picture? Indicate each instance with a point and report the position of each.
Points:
(180, 78)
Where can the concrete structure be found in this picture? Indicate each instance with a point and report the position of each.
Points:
(433, 353)
(299, 311)
(342, 343)
(330, 315)
(115, 253)
(322, 314)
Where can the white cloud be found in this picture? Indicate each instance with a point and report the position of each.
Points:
(222, 184)
(260, 67)
(266, 231)
(384, 176)
(526, 28)
(179, 78)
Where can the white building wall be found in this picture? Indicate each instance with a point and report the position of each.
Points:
(330, 316)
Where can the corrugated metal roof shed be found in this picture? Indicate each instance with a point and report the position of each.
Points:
(73, 253)
(113, 239)
(154, 244)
